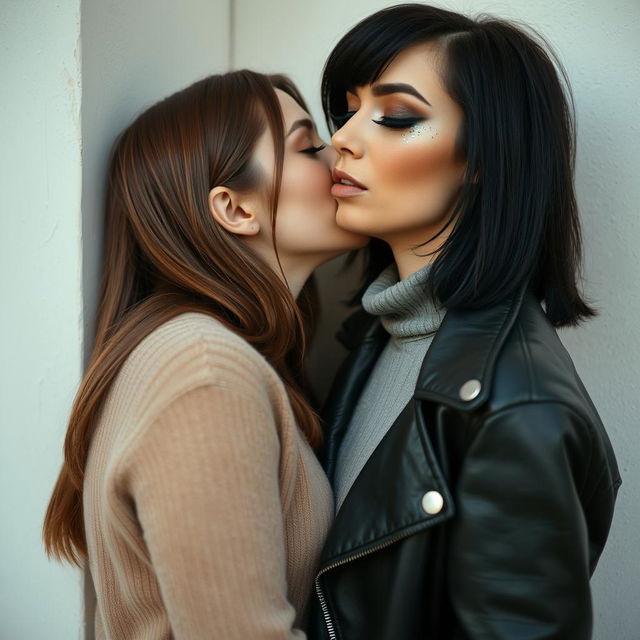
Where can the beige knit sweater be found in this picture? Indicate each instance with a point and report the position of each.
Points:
(205, 508)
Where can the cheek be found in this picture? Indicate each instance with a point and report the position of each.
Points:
(306, 183)
(415, 177)
(306, 218)
(416, 167)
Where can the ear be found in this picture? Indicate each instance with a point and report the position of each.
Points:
(232, 212)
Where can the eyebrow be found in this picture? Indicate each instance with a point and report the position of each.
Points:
(397, 87)
(305, 122)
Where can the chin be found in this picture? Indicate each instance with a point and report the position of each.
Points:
(349, 220)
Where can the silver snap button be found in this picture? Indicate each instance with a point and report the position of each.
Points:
(470, 390)
(432, 502)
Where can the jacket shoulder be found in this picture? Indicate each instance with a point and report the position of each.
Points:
(533, 366)
(536, 386)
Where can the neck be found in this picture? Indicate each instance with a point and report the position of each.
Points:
(407, 262)
(293, 275)
(296, 279)
(408, 252)
(294, 272)
(409, 257)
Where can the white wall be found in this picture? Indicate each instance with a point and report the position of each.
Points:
(40, 289)
(133, 54)
(599, 44)
(62, 106)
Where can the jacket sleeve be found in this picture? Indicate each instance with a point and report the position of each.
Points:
(519, 548)
(204, 480)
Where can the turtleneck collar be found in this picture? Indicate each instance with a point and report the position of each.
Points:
(405, 309)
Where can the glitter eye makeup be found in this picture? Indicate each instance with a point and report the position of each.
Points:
(418, 131)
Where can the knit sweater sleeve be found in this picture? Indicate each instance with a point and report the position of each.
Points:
(204, 482)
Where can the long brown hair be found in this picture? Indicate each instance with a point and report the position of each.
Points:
(165, 255)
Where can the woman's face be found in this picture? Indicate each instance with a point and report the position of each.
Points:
(306, 231)
(398, 145)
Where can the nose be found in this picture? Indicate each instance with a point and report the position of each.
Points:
(346, 142)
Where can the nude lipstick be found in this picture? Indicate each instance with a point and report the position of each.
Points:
(345, 185)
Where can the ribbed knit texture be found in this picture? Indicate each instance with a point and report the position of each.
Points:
(411, 318)
(205, 508)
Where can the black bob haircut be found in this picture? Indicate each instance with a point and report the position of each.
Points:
(517, 218)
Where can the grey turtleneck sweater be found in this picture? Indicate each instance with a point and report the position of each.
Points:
(411, 318)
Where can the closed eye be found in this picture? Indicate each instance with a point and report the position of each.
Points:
(312, 150)
(398, 123)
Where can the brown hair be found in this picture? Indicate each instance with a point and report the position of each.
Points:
(165, 255)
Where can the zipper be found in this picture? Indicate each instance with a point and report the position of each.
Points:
(325, 610)
(323, 604)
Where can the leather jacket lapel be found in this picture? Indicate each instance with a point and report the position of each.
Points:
(385, 502)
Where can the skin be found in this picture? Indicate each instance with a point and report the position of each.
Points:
(306, 231)
(412, 174)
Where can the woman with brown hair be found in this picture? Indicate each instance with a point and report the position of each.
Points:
(189, 483)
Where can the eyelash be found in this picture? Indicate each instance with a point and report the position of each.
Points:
(312, 150)
(398, 123)
(384, 121)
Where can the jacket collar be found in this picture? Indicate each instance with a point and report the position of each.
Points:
(463, 350)
(458, 368)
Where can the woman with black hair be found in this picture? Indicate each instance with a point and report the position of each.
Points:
(474, 480)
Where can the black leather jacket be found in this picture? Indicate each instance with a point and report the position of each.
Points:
(484, 510)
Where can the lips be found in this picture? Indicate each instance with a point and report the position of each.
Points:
(345, 185)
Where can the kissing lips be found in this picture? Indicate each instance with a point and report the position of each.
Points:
(345, 185)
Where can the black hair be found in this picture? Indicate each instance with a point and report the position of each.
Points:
(516, 218)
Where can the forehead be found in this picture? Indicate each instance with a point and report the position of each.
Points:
(418, 61)
(291, 110)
